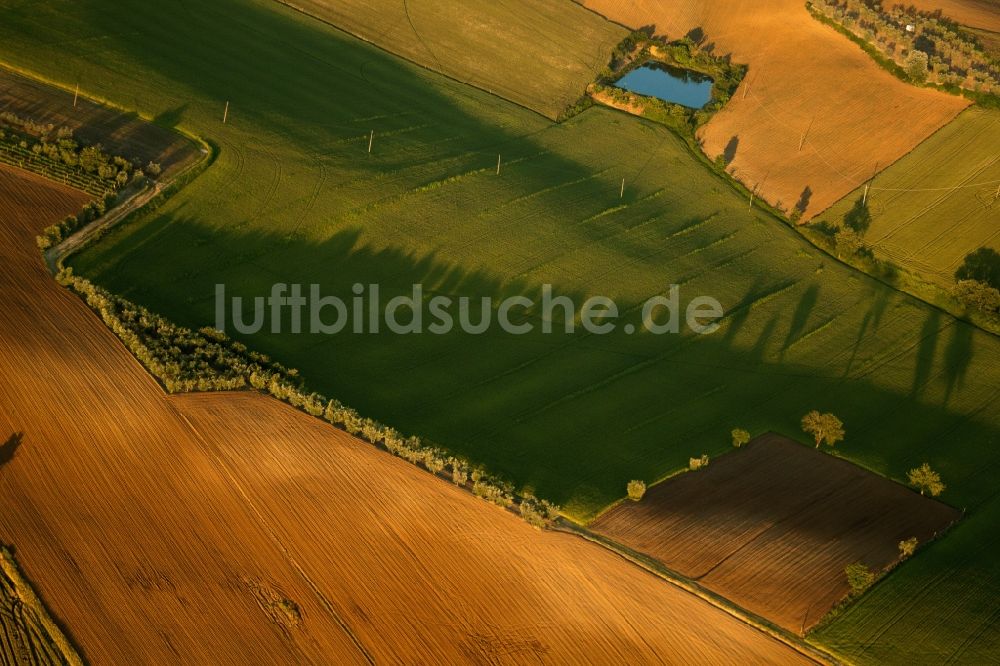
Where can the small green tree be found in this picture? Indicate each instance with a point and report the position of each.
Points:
(636, 489)
(907, 547)
(848, 243)
(699, 462)
(926, 480)
(977, 295)
(859, 577)
(916, 66)
(740, 437)
(824, 428)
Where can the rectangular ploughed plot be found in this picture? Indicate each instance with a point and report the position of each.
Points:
(773, 525)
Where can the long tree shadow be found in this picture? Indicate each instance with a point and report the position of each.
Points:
(801, 316)
(526, 406)
(926, 348)
(9, 448)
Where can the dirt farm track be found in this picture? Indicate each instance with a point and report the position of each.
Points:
(221, 528)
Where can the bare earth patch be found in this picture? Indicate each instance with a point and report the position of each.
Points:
(773, 525)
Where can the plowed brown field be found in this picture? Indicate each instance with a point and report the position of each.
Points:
(772, 527)
(805, 80)
(233, 529)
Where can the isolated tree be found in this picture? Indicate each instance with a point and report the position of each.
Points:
(926, 480)
(848, 242)
(824, 428)
(859, 218)
(636, 489)
(977, 296)
(740, 437)
(859, 577)
(907, 547)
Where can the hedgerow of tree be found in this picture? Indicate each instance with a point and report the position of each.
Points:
(54, 153)
(207, 360)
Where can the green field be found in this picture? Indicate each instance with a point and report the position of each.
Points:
(939, 203)
(541, 54)
(295, 197)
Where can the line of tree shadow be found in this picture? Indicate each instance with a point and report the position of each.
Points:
(527, 406)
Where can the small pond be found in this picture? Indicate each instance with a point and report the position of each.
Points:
(671, 84)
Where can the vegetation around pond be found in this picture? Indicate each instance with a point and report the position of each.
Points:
(642, 47)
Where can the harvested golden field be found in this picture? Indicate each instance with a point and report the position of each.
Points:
(121, 134)
(815, 114)
(772, 527)
(234, 529)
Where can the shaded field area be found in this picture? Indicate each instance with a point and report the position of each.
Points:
(294, 196)
(539, 54)
(940, 202)
(773, 525)
(811, 121)
(233, 529)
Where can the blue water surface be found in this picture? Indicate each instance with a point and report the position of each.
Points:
(671, 84)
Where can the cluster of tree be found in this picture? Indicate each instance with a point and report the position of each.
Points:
(54, 234)
(859, 577)
(925, 46)
(28, 126)
(849, 237)
(185, 360)
(698, 462)
(53, 151)
(977, 284)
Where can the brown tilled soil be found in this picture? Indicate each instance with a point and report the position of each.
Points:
(805, 79)
(772, 527)
(121, 134)
(230, 528)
